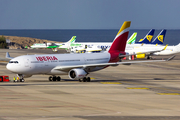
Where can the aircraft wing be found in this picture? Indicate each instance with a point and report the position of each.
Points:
(147, 53)
(85, 67)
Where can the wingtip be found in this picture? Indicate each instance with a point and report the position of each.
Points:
(170, 58)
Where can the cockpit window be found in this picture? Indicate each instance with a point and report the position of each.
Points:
(13, 61)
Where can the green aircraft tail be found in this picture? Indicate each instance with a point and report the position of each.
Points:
(73, 39)
(132, 39)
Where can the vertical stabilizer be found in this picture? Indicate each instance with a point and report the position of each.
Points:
(160, 38)
(120, 40)
(147, 39)
(132, 39)
(72, 40)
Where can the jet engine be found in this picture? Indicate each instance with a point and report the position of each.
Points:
(140, 56)
(77, 74)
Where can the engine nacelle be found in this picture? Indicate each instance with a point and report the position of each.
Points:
(77, 74)
(140, 56)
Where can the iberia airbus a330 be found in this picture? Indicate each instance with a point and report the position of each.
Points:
(77, 66)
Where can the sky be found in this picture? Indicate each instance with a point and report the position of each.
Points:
(89, 14)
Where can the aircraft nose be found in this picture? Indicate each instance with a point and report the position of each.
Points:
(8, 66)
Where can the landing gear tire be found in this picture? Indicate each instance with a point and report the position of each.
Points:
(88, 79)
(80, 80)
(21, 80)
(54, 78)
(84, 79)
(50, 78)
(21, 77)
(58, 78)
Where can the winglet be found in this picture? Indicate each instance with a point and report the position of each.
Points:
(165, 47)
(170, 58)
(8, 56)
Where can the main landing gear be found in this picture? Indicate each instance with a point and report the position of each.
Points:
(54, 78)
(85, 79)
(149, 57)
(58, 78)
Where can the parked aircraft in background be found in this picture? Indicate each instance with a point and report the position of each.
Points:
(160, 38)
(91, 47)
(53, 45)
(167, 50)
(77, 66)
(147, 39)
(136, 48)
(86, 49)
(132, 39)
(66, 45)
(41, 45)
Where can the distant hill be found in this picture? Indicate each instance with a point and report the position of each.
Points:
(22, 42)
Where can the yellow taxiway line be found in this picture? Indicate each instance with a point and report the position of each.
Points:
(168, 93)
(110, 83)
(137, 88)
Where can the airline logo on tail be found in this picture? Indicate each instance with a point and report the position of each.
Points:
(149, 37)
(160, 38)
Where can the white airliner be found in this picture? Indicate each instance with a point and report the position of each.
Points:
(54, 45)
(85, 49)
(167, 50)
(77, 66)
(149, 49)
(93, 46)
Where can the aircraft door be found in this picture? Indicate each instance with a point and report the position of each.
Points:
(85, 61)
(26, 62)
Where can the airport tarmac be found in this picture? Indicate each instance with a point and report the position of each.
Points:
(142, 91)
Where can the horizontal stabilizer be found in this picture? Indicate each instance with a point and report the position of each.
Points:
(8, 56)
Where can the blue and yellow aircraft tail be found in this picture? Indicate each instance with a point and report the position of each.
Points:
(147, 39)
(160, 38)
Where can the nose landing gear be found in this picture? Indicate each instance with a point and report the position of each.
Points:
(21, 77)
